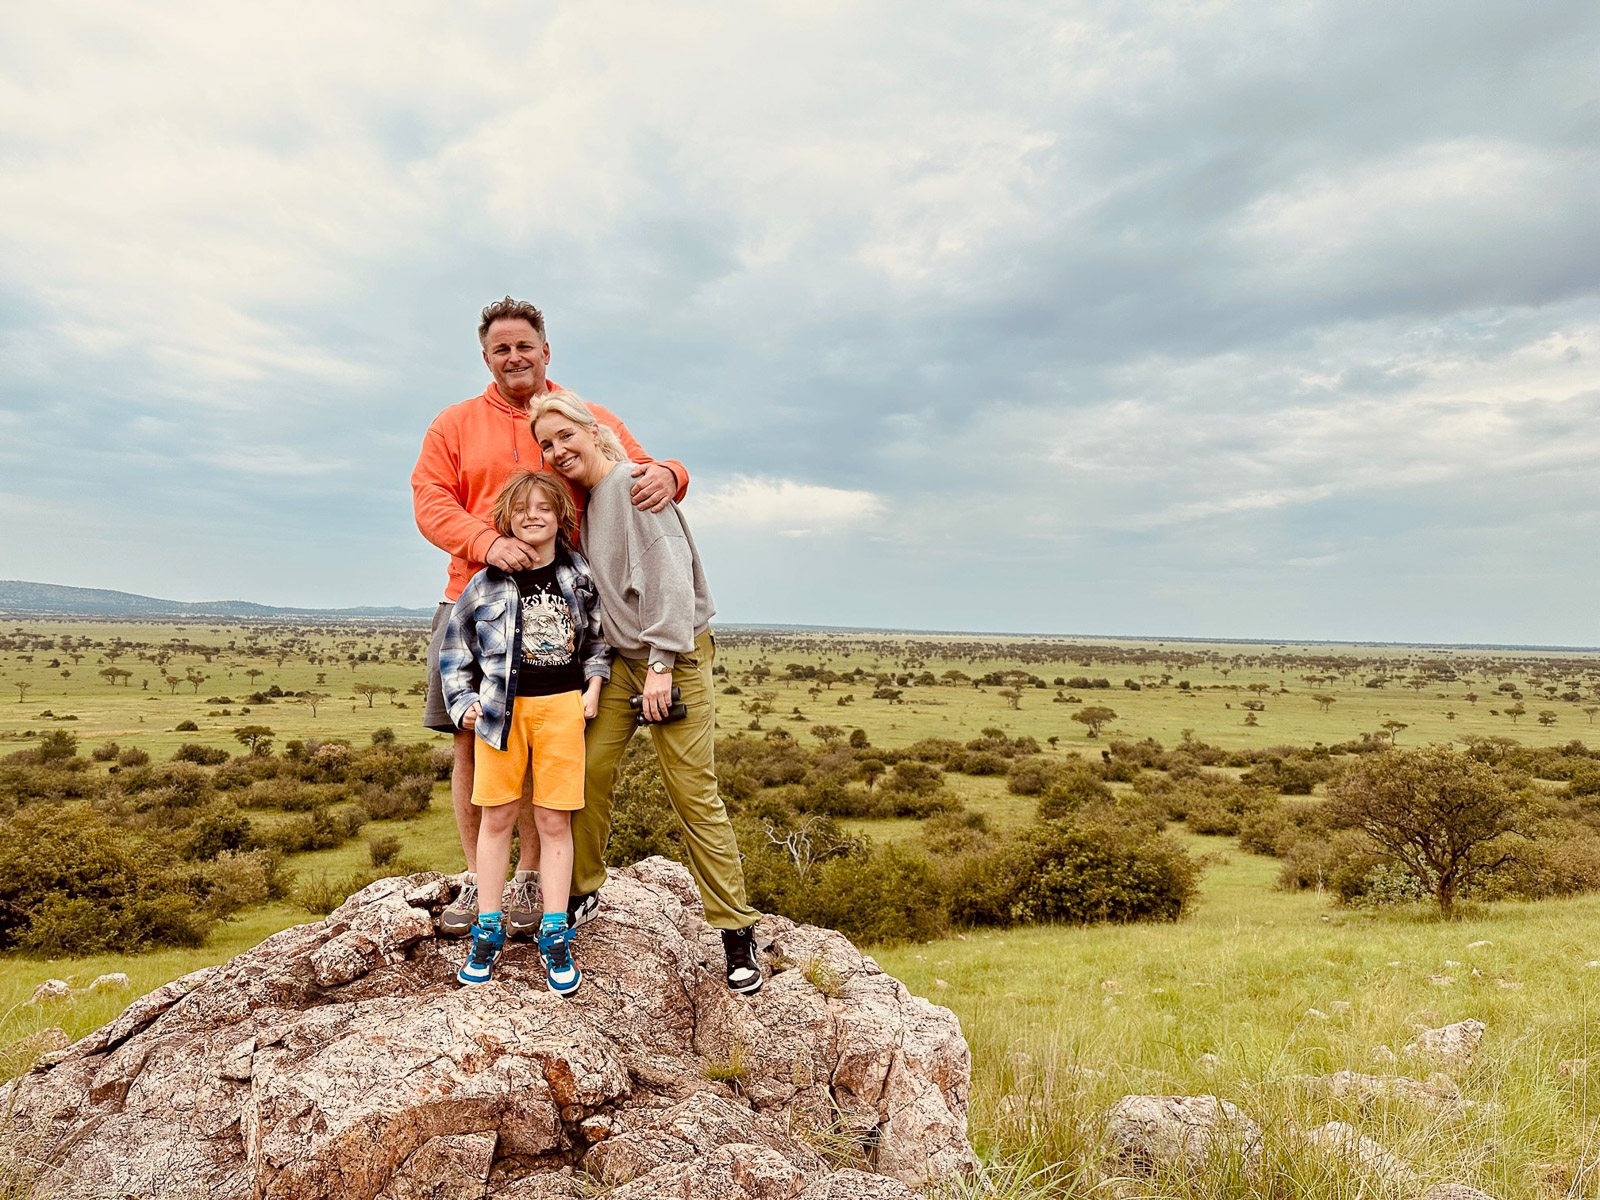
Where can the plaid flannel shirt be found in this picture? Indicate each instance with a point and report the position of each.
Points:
(477, 659)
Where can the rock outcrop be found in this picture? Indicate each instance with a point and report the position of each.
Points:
(339, 1061)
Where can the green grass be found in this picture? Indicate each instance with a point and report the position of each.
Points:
(1139, 1005)
(1235, 979)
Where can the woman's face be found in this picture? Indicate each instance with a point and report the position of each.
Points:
(569, 449)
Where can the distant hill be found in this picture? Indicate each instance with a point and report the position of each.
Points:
(20, 598)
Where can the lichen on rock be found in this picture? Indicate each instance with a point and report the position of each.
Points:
(340, 1060)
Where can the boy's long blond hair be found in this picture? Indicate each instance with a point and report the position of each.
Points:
(572, 407)
(513, 498)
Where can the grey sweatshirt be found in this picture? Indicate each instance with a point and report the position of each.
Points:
(653, 596)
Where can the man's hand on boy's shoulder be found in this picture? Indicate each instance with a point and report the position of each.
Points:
(653, 486)
(510, 555)
(469, 719)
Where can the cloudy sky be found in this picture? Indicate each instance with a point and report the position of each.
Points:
(1252, 318)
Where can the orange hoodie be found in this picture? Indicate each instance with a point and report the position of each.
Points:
(469, 452)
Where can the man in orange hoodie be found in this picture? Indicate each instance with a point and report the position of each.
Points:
(469, 451)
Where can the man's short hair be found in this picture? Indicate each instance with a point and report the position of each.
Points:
(509, 310)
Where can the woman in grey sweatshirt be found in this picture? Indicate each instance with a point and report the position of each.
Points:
(656, 611)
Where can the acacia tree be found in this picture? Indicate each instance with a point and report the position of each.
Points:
(1326, 702)
(369, 690)
(257, 737)
(22, 690)
(194, 678)
(1435, 811)
(1096, 717)
(311, 700)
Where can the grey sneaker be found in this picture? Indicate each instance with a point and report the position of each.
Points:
(520, 903)
(457, 918)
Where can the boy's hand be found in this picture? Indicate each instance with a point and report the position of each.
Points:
(591, 698)
(469, 719)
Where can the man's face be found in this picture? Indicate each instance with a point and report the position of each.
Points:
(517, 357)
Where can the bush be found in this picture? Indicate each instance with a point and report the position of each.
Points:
(408, 798)
(223, 831)
(321, 829)
(1072, 790)
(133, 757)
(913, 778)
(186, 727)
(873, 894)
(1291, 776)
(204, 756)
(234, 881)
(106, 752)
(286, 795)
(72, 884)
(1544, 869)
(383, 850)
(1078, 873)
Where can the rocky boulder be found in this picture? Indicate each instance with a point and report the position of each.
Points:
(341, 1060)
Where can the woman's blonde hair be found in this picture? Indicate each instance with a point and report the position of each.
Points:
(571, 406)
(513, 498)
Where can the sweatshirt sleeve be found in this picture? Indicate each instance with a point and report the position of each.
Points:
(436, 500)
(666, 605)
(636, 452)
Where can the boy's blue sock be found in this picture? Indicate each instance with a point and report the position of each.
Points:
(491, 921)
(552, 922)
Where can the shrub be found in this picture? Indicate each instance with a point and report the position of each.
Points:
(912, 777)
(1291, 776)
(1079, 873)
(106, 752)
(205, 756)
(1072, 790)
(1566, 864)
(186, 727)
(72, 884)
(321, 829)
(383, 850)
(322, 895)
(874, 894)
(286, 795)
(408, 798)
(1273, 828)
(133, 757)
(982, 762)
(234, 881)
(223, 831)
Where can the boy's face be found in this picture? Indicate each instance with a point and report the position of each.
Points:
(536, 523)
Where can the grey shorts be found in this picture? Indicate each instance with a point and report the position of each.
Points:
(434, 713)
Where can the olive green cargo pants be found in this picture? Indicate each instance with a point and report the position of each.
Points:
(686, 751)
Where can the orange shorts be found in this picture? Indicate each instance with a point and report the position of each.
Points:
(546, 731)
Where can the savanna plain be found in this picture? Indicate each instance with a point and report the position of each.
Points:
(1122, 864)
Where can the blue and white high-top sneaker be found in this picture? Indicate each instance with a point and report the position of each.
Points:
(561, 974)
(488, 940)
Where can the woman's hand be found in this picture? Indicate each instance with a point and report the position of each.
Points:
(657, 696)
(470, 718)
(591, 698)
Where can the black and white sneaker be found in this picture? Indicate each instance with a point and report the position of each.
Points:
(582, 909)
(744, 973)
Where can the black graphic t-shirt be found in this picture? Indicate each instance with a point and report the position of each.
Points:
(547, 660)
